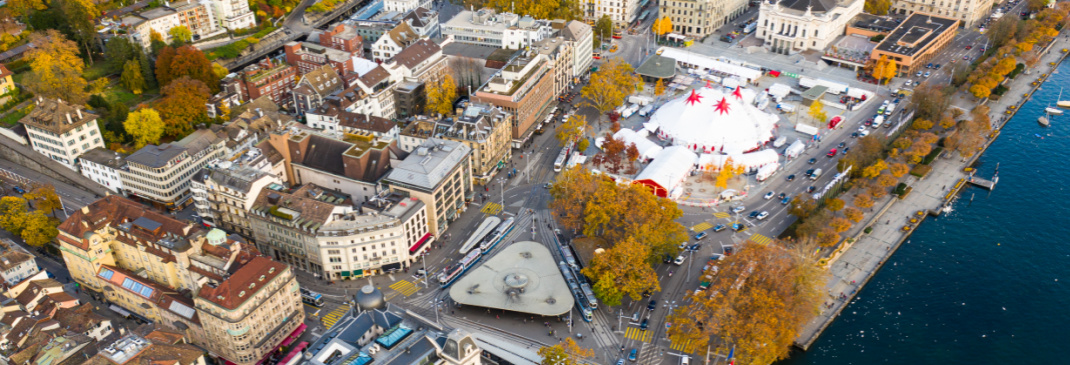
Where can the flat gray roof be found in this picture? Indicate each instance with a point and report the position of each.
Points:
(657, 67)
(523, 277)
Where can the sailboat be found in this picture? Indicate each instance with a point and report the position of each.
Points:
(1061, 103)
(1043, 121)
(1055, 111)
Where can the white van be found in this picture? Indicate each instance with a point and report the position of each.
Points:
(816, 174)
(877, 121)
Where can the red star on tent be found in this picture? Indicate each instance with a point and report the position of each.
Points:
(722, 106)
(694, 97)
(708, 84)
(738, 94)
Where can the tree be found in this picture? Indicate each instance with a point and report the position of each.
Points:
(840, 224)
(1002, 31)
(898, 169)
(574, 130)
(180, 34)
(163, 65)
(802, 207)
(13, 213)
(763, 296)
(874, 170)
(863, 201)
(878, 7)
(440, 96)
(603, 29)
(886, 181)
(834, 205)
(930, 101)
(922, 124)
(1036, 5)
(567, 352)
(613, 153)
(876, 191)
(39, 229)
(632, 152)
(662, 26)
(622, 270)
(183, 106)
(817, 111)
(132, 78)
(79, 16)
(55, 68)
(156, 43)
(145, 125)
(727, 172)
(44, 198)
(608, 87)
(23, 8)
(190, 61)
(119, 51)
(885, 68)
(853, 214)
(659, 88)
(147, 73)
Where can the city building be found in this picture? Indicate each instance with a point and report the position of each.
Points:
(332, 117)
(404, 6)
(233, 14)
(135, 349)
(423, 21)
(217, 290)
(485, 129)
(223, 193)
(916, 41)
(697, 18)
(321, 231)
(410, 98)
(195, 16)
(488, 28)
(16, 264)
(370, 30)
(421, 62)
(307, 56)
(375, 333)
(372, 94)
(161, 174)
(314, 86)
(439, 173)
(969, 13)
(622, 12)
(558, 54)
(393, 42)
(61, 131)
(270, 77)
(353, 164)
(7, 83)
(524, 88)
(103, 165)
(343, 37)
(582, 38)
(799, 25)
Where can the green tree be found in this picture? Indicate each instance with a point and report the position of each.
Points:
(119, 51)
(39, 229)
(567, 352)
(13, 213)
(79, 16)
(180, 35)
(145, 125)
(603, 29)
(132, 77)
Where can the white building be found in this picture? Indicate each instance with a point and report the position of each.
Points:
(161, 174)
(233, 14)
(197, 17)
(488, 28)
(700, 18)
(402, 6)
(391, 43)
(582, 37)
(61, 131)
(797, 25)
(16, 264)
(423, 21)
(223, 193)
(970, 12)
(103, 165)
(622, 12)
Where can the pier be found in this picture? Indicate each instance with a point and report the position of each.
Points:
(984, 183)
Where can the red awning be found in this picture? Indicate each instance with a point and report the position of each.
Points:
(423, 241)
(288, 340)
(774, 73)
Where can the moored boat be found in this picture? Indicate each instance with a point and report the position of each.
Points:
(1043, 121)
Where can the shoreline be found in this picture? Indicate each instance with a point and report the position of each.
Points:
(927, 198)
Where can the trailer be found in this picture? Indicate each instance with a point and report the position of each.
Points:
(795, 149)
(805, 128)
(766, 171)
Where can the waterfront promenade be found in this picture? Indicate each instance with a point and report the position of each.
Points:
(851, 269)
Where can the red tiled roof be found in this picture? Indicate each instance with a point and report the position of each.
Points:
(113, 210)
(248, 279)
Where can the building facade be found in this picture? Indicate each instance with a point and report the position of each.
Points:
(61, 131)
(485, 129)
(270, 77)
(391, 43)
(233, 14)
(700, 18)
(343, 37)
(16, 264)
(308, 56)
(404, 6)
(582, 38)
(524, 88)
(799, 25)
(622, 12)
(315, 86)
(916, 41)
(103, 165)
(161, 174)
(969, 13)
(223, 193)
(487, 27)
(439, 174)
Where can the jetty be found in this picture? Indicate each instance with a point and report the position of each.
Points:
(984, 183)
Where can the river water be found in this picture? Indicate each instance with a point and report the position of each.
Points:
(987, 284)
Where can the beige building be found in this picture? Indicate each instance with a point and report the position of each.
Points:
(700, 18)
(161, 174)
(484, 128)
(524, 88)
(916, 41)
(793, 26)
(61, 131)
(439, 173)
(968, 12)
(559, 54)
(217, 290)
(224, 192)
(159, 347)
(622, 12)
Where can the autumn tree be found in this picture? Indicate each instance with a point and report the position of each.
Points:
(817, 111)
(180, 34)
(884, 69)
(659, 88)
(834, 205)
(840, 224)
(55, 68)
(79, 16)
(853, 214)
(38, 230)
(23, 8)
(566, 352)
(44, 198)
(1037, 5)
(886, 180)
(863, 201)
(145, 125)
(538, 9)
(726, 172)
(662, 26)
(440, 96)
(801, 207)
(622, 270)
(898, 169)
(756, 304)
(1002, 31)
(632, 152)
(574, 130)
(13, 211)
(132, 77)
(930, 101)
(876, 191)
(609, 86)
(878, 7)
(174, 63)
(874, 170)
(182, 106)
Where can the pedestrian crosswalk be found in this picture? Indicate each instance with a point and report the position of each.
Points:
(491, 208)
(701, 227)
(638, 334)
(682, 344)
(334, 316)
(722, 215)
(760, 239)
(404, 287)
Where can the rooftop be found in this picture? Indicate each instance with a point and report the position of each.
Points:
(12, 255)
(57, 116)
(916, 33)
(141, 223)
(156, 156)
(105, 157)
(657, 67)
(428, 166)
(523, 277)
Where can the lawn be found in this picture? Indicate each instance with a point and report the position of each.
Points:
(12, 118)
(97, 70)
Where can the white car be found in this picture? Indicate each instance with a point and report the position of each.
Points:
(927, 73)
(919, 74)
(908, 83)
(862, 129)
(768, 195)
(762, 215)
(863, 133)
(679, 260)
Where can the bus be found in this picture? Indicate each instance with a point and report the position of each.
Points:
(562, 158)
(311, 297)
(617, 34)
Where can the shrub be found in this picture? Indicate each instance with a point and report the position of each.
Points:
(868, 230)
(921, 170)
(999, 90)
(877, 38)
(932, 155)
(1017, 69)
(899, 189)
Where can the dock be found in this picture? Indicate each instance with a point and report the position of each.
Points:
(984, 183)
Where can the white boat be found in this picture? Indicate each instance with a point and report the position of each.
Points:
(1053, 111)
(1043, 121)
(1063, 103)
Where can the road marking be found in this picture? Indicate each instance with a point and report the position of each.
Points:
(491, 208)
(637, 334)
(722, 215)
(682, 344)
(702, 227)
(760, 239)
(404, 287)
(334, 316)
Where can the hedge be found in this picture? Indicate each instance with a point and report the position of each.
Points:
(1017, 70)
(932, 155)
(899, 189)
(921, 170)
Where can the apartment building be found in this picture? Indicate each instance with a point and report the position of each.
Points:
(307, 56)
(103, 165)
(353, 164)
(559, 56)
(7, 83)
(404, 6)
(161, 174)
(16, 264)
(798, 25)
(969, 13)
(423, 21)
(487, 27)
(134, 348)
(270, 77)
(391, 43)
(700, 18)
(916, 41)
(233, 14)
(343, 37)
(217, 290)
(582, 38)
(321, 231)
(195, 16)
(438, 173)
(198, 17)
(332, 117)
(223, 193)
(622, 12)
(524, 88)
(485, 129)
(314, 87)
(61, 131)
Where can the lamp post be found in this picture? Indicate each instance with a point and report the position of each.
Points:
(501, 186)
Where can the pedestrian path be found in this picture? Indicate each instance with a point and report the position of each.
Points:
(637, 334)
(491, 208)
(760, 239)
(722, 215)
(683, 345)
(405, 287)
(702, 227)
(334, 316)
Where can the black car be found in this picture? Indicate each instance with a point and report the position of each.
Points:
(19, 190)
(812, 161)
(644, 324)
(810, 189)
(694, 247)
(782, 196)
(842, 144)
(719, 227)
(754, 214)
(652, 304)
(854, 135)
(791, 177)
(667, 259)
(809, 172)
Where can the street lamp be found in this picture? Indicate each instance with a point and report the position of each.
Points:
(501, 187)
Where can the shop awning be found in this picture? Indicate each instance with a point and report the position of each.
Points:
(774, 73)
(294, 335)
(427, 238)
(120, 310)
(392, 266)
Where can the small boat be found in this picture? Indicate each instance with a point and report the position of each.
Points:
(1043, 121)
(1053, 111)
(1063, 103)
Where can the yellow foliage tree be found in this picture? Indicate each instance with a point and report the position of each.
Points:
(39, 230)
(145, 125)
(44, 198)
(608, 87)
(622, 270)
(567, 352)
(180, 33)
(13, 212)
(885, 69)
(574, 130)
(659, 88)
(440, 96)
(874, 170)
(877, 7)
(662, 26)
(55, 68)
(817, 111)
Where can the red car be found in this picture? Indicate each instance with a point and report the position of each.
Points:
(969, 47)
(832, 153)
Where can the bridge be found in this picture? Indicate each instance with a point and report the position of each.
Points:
(297, 25)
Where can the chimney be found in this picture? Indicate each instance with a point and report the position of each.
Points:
(79, 111)
(69, 118)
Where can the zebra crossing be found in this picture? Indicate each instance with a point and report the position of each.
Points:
(637, 334)
(760, 239)
(405, 287)
(701, 227)
(683, 345)
(722, 215)
(491, 208)
(334, 316)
